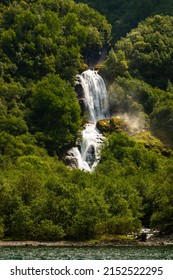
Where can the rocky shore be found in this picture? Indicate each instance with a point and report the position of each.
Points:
(153, 241)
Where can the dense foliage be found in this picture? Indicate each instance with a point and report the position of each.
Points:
(43, 45)
(41, 199)
(126, 14)
(149, 50)
(55, 113)
(51, 40)
(141, 73)
(41, 48)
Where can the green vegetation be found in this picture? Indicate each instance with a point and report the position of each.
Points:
(149, 49)
(126, 14)
(55, 113)
(138, 70)
(144, 87)
(51, 40)
(43, 45)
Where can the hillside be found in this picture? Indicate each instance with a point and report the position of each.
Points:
(126, 14)
(43, 45)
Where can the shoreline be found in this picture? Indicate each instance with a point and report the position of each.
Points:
(156, 241)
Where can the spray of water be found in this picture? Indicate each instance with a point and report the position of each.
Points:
(96, 101)
(137, 123)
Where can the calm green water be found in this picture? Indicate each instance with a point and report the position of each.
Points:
(83, 253)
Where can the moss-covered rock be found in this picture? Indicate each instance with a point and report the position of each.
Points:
(97, 67)
(113, 124)
(152, 143)
(118, 125)
(84, 67)
(103, 125)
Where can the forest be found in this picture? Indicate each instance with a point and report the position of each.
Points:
(44, 44)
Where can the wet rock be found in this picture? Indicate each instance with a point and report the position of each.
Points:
(90, 157)
(79, 90)
(142, 237)
(103, 125)
(81, 95)
(71, 160)
(83, 105)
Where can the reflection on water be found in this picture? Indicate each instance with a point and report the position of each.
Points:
(86, 253)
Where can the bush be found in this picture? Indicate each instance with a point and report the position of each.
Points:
(47, 231)
(2, 229)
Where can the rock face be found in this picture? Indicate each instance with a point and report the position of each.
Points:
(113, 124)
(90, 157)
(81, 96)
(71, 160)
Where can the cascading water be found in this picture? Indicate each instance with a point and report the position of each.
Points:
(96, 103)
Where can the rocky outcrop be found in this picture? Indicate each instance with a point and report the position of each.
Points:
(103, 125)
(90, 157)
(71, 160)
(81, 96)
(113, 124)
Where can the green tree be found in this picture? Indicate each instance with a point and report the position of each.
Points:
(125, 15)
(90, 211)
(149, 49)
(56, 113)
(162, 117)
(162, 202)
(47, 231)
(1, 228)
(22, 225)
(115, 65)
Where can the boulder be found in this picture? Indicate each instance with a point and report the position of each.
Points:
(142, 237)
(103, 125)
(113, 124)
(118, 125)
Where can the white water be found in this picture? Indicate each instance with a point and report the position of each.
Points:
(95, 95)
(97, 106)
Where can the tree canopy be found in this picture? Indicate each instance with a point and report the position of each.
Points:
(125, 15)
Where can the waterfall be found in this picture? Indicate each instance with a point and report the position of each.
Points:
(96, 103)
(95, 95)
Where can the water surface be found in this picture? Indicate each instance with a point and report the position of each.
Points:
(86, 253)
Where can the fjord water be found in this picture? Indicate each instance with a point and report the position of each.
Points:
(87, 253)
(96, 103)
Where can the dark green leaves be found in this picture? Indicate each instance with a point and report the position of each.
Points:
(56, 113)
